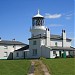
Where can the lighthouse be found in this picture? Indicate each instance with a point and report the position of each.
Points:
(40, 36)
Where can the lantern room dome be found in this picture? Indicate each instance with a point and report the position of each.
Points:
(38, 15)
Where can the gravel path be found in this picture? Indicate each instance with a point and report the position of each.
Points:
(31, 70)
(42, 67)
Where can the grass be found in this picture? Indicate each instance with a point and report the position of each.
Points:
(60, 66)
(14, 67)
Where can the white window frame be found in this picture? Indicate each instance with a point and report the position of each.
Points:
(5, 54)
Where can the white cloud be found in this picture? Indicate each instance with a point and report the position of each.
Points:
(69, 15)
(68, 18)
(55, 25)
(52, 16)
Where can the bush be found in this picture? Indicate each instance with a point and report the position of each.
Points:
(41, 58)
(70, 56)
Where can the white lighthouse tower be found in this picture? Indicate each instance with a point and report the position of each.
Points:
(40, 36)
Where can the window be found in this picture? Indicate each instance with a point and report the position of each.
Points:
(34, 42)
(5, 47)
(54, 52)
(34, 52)
(42, 42)
(13, 46)
(5, 54)
(17, 54)
(56, 44)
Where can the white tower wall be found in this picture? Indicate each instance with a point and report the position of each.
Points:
(36, 30)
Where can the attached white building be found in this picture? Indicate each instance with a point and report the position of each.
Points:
(8, 47)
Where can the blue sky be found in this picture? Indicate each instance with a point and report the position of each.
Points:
(16, 17)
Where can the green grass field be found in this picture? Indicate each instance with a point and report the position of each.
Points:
(14, 67)
(61, 66)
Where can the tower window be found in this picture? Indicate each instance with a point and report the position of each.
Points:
(34, 52)
(34, 42)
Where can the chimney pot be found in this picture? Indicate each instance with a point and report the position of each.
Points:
(13, 39)
(0, 38)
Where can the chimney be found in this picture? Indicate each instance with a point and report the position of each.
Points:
(63, 38)
(47, 37)
(13, 39)
(0, 39)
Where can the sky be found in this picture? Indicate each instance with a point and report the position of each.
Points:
(16, 18)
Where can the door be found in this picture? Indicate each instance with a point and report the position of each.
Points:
(60, 54)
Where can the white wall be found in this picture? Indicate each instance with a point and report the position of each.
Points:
(45, 52)
(57, 52)
(9, 50)
(59, 43)
(20, 53)
(37, 46)
(3, 50)
(38, 31)
(68, 44)
(67, 53)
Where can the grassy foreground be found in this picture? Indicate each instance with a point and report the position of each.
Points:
(14, 67)
(61, 66)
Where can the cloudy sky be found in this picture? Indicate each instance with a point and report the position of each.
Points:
(16, 17)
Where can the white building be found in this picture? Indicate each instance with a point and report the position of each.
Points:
(8, 47)
(41, 44)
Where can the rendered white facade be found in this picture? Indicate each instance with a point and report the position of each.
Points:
(6, 50)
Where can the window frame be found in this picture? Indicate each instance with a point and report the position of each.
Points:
(34, 42)
(34, 52)
(54, 52)
(17, 54)
(5, 54)
(56, 44)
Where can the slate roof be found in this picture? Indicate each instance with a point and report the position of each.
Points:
(52, 47)
(63, 48)
(37, 37)
(52, 37)
(58, 37)
(7, 42)
(23, 48)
